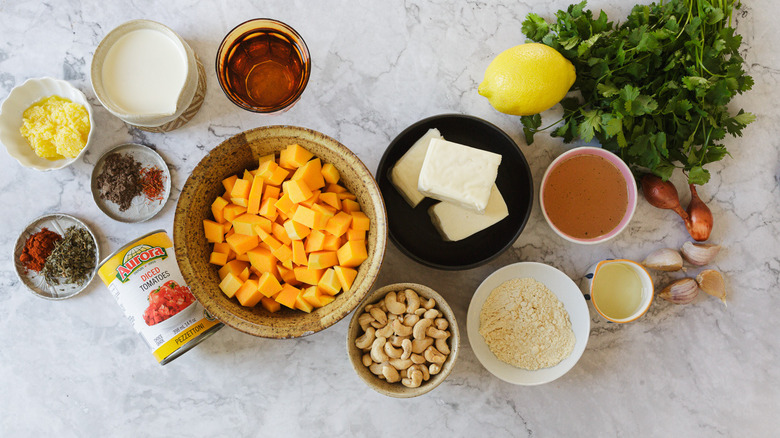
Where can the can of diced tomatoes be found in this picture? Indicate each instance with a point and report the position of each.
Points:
(145, 280)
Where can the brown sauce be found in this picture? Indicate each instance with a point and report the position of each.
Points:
(585, 196)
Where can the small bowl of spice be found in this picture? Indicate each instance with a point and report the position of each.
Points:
(131, 183)
(46, 124)
(56, 256)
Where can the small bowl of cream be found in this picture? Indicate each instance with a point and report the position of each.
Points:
(588, 195)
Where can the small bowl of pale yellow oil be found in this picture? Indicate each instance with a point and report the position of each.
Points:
(620, 290)
(46, 124)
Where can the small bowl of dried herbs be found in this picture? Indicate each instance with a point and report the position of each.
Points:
(56, 256)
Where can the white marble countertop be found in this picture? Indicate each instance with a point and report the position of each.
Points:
(77, 368)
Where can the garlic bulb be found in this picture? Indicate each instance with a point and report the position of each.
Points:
(664, 259)
(711, 282)
(699, 254)
(681, 291)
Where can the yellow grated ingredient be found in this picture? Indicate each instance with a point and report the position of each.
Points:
(56, 127)
(525, 325)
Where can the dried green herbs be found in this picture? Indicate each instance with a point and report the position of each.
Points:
(72, 259)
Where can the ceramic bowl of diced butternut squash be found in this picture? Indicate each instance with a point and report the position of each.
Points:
(280, 231)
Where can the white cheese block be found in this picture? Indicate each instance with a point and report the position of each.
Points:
(456, 223)
(406, 172)
(458, 174)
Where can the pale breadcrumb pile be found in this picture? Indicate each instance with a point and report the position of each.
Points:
(525, 325)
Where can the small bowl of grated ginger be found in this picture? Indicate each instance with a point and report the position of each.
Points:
(46, 124)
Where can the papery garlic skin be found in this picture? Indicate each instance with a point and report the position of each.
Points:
(682, 291)
(664, 259)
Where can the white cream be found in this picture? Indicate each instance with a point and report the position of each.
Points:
(454, 222)
(406, 171)
(458, 174)
(144, 73)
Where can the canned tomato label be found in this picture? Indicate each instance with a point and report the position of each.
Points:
(145, 280)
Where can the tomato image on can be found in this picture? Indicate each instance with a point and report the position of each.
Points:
(145, 280)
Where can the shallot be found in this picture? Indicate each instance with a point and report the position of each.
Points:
(662, 194)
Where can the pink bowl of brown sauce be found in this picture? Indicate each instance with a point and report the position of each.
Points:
(588, 195)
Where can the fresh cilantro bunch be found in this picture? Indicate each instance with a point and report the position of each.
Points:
(655, 88)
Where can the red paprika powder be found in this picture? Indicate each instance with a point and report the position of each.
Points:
(37, 248)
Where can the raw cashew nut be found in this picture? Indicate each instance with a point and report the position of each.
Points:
(365, 320)
(400, 364)
(430, 304)
(420, 328)
(396, 341)
(364, 342)
(423, 369)
(406, 344)
(431, 314)
(379, 315)
(391, 351)
(441, 323)
(376, 368)
(377, 350)
(367, 361)
(419, 345)
(417, 358)
(441, 345)
(411, 319)
(412, 301)
(414, 380)
(401, 297)
(431, 354)
(385, 331)
(436, 333)
(400, 329)
(390, 373)
(420, 312)
(392, 304)
(434, 368)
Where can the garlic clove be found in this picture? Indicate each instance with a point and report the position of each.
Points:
(664, 259)
(711, 282)
(681, 291)
(699, 254)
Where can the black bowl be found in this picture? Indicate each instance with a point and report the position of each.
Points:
(411, 229)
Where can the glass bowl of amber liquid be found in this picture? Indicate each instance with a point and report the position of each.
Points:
(263, 66)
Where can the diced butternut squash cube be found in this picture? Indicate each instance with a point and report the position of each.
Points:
(217, 207)
(270, 304)
(283, 253)
(234, 267)
(294, 156)
(241, 243)
(347, 195)
(268, 208)
(222, 247)
(248, 294)
(239, 201)
(245, 223)
(351, 254)
(329, 283)
(346, 276)
(272, 173)
(271, 241)
(332, 199)
(308, 275)
(271, 192)
(331, 242)
(339, 224)
(264, 225)
(255, 196)
(353, 234)
(302, 304)
(213, 230)
(284, 204)
(280, 233)
(228, 182)
(297, 190)
(335, 188)
(360, 221)
(227, 226)
(264, 158)
(288, 295)
(232, 211)
(311, 173)
(262, 259)
(330, 174)
(315, 195)
(244, 275)
(349, 205)
(299, 253)
(306, 216)
(268, 285)
(313, 295)
(325, 209)
(314, 241)
(218, 258)
(230, 284)
(240, 189)
(323, 259)
(243, 257)
(295, 230)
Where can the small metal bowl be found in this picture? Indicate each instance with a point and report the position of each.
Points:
(35, 281)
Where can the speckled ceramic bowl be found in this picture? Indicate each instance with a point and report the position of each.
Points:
(397, 389)
(205, 184)
(20, 98)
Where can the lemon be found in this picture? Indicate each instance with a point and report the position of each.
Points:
(527, 79)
